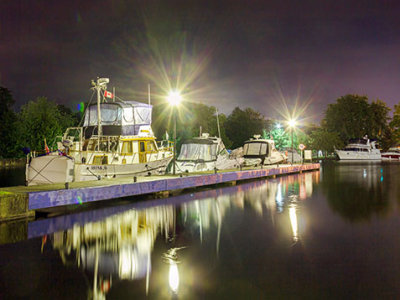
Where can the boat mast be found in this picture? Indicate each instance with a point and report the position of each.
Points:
(219, 131)
(99, 129)
(101, 84)
(148, 92)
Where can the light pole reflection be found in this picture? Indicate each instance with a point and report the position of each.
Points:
(173, 277)
(293, 222)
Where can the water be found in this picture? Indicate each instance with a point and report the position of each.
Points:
(12, 176)
(329, 234)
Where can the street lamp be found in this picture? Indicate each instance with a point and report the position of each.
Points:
(174, 98)
(292, 124)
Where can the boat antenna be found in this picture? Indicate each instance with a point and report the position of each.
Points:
(148, 92)
(113, 94)
(219, 131)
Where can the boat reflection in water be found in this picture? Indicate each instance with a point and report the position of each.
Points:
(120, 245)
(366, 190)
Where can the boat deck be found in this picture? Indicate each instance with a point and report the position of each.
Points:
(22, 201)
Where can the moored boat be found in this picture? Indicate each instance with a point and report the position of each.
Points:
(360, 149)
(392, 154)
(115, 140)
(205, 153)
(258, 151)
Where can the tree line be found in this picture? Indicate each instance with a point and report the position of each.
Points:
(351, 116)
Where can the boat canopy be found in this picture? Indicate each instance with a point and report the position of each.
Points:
(198, 149)
(255, 148)
(118, 118)
(119, 113)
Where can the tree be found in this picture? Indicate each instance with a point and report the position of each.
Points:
(353, 117)
(394, 127)
(281, 137)
(349, 117)
(378, 118)
(321, 139)
(243, 124)
(41, 119)
(8, 147)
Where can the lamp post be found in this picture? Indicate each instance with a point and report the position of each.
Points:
(292, 124)
(174, 98)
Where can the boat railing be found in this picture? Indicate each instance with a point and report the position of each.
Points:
(165, 145)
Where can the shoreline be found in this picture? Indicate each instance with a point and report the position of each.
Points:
(12, 162)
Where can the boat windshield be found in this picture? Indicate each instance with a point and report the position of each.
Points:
(255, 149)
(356, 149)
(358, 141)
(193, 151)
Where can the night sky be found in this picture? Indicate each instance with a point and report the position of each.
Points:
(262, 54)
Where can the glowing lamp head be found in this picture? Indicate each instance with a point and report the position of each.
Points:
(292, 123)
(174, 98)
(278, 125)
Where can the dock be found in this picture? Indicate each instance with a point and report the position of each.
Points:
(23, 201)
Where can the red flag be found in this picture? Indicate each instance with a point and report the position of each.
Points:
(108, 94)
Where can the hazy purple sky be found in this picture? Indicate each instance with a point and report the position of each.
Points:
(222, 53)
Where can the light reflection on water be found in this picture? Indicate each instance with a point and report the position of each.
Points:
(119, 247)
(317, 235)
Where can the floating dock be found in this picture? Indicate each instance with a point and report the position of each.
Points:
(22, 201)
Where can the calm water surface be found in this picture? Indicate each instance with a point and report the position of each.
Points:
(330, 234)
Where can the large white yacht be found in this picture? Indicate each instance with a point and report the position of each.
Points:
(205, 153)
(360, 149)
(258, 151)
(115, 140)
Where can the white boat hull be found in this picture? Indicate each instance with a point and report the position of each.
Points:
(219, 164)
(50, 169)
(391, 156)
(273, 160)
(84, 172)
(358, 155)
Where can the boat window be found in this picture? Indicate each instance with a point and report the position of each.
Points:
(110, 114)
(141, 147)
(263, 149)
(245, 148)
(252, 148)
(128, 114)
(151, 147)
(352, 149)
(126, 148)
(193, 151)
(142, 115)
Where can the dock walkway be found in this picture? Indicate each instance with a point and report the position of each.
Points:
(23, 201)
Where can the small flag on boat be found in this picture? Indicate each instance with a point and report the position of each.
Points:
(46, 148)
(108, 94)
